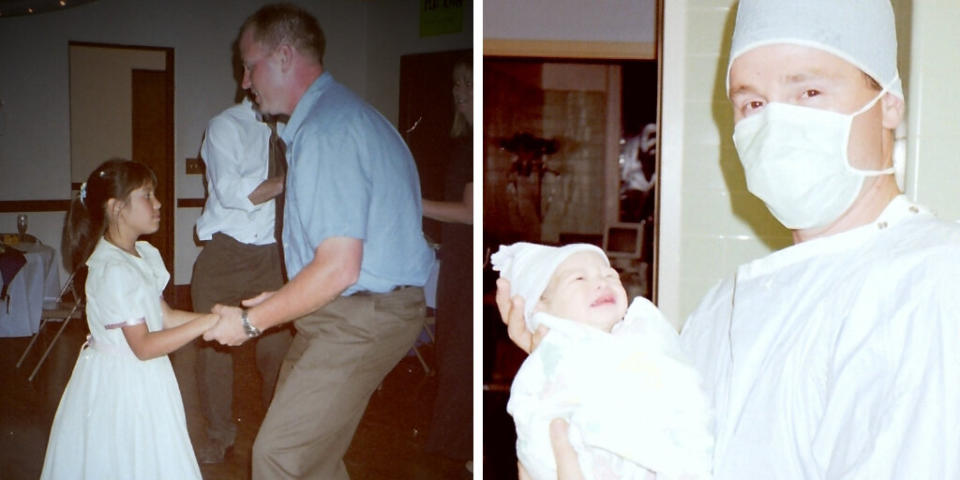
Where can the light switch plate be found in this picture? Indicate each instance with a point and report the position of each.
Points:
(194, 166)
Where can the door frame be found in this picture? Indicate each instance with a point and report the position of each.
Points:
(165, 168)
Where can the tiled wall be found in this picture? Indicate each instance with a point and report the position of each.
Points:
(709, 222)
(717, 223)
(933, 99)
(566, 104)
(572, 198)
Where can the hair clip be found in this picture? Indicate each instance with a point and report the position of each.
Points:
(83, 193)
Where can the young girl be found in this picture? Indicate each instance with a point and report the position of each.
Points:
(121, 415)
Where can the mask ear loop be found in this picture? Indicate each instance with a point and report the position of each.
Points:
(870, 173)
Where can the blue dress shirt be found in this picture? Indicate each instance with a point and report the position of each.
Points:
(350, 174)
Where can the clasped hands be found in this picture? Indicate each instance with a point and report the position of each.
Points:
(229, 328)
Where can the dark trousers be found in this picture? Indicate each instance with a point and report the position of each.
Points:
(226, 272)
(451, 428)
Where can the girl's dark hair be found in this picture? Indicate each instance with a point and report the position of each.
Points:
(86, 220)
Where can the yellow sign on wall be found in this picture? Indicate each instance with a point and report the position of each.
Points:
(439, 17)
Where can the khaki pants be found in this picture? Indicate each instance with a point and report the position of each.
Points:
(339, 356)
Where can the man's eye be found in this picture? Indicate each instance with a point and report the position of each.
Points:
(811, 93)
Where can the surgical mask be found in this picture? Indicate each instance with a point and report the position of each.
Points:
(795, 160)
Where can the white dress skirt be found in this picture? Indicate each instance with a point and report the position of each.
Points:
(121, 417)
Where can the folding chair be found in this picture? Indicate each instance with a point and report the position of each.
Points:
(427, 323)
(69, 305)
(430, 297)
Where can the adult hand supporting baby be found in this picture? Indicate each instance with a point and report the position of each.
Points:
(511, 312)
(568, 466)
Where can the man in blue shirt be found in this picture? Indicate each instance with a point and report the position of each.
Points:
(353, 246)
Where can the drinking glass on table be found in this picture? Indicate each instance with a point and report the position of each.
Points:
(22, 225)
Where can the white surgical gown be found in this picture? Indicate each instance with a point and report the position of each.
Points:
(839, 358)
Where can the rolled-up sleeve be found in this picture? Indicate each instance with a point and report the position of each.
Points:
(221, 151)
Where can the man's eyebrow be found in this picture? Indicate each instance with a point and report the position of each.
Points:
(815, 74)
(741, 90)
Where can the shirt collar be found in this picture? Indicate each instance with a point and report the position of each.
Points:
(898, 210)
(306, 103)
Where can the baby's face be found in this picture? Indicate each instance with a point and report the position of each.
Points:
(584, 289)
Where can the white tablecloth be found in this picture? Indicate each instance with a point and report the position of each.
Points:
(430, 289)
(36, 282)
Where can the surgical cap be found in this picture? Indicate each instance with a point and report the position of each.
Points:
(529, 266)
(862, 32)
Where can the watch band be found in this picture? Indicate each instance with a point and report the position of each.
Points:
(248, 327)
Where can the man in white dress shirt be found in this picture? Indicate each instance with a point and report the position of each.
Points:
(837, 357)
(239, 260)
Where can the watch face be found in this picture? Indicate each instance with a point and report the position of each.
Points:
(249, 329)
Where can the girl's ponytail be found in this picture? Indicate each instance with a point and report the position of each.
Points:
(79, 234)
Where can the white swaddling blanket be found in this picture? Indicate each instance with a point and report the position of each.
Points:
(633, 402)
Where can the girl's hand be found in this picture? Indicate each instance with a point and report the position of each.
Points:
(209, 320)
(511, 312)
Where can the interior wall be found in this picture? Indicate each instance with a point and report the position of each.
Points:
(933, 145)
(547, 136)
(631, 21)
(100, 130)
(393, 30)
(364, 43)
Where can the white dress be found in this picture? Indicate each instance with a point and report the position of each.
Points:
(634, 403)
(839, 358)
(121, 417)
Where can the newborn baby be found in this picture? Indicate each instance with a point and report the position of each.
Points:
(616, 374)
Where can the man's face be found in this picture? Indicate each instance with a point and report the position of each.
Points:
(584, 289)
(810, 77)
(261, 74)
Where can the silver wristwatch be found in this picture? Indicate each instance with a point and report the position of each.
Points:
(248, 328)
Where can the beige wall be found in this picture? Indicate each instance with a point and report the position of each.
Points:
(709, 222)
(933, 99)
(102, 129)
(607, 21)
